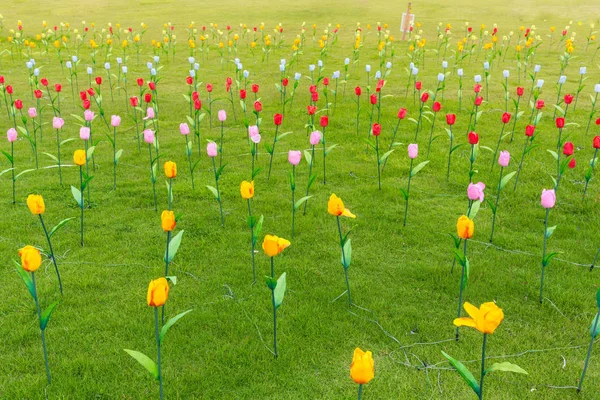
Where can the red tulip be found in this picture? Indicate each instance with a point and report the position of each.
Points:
(520, 91)
(560, 122)
(598, 121)
(425, 97)
(325, 81)
(285, 81)
(147, 97)
(568, 149)
(134, 101)
(58, 87)
(37, 93)
(380, 84)
(402, 113)
(140, 82)
(91, 92)
(529, 130)
(312, 88)
(568, 98)
(506, 117)
(243, 94)
(9, 89)
(358, 90)
(477, 88)
(195, 96)
(83, 95)
(18, 104)
(539, 104)
(450, 119)
(98, 80)
(209, 87)
(418, 85)
(478, 100)
(197, 104)
(373, 99)
(86, 104)
(473, 138)
(572, 163)
(311, 110)
(376, 129)
(255, 88)
(315, 96)
(1, 79)
(44, 81)
(152, 85)
(437, 106)
(324, 121)
(278, 119)
(597, 142)
(257, 106)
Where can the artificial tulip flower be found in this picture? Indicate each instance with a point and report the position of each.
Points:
(450, 119)
(335, 207)
(167, 221)
(568, 149)
(485, 319)
(31, 259)
(170, 169)
(506, 117)
(465, 227)
(158, 292)
(473, 138)
(362, 369)
(35, 203)
(79, 157)
(273, 245)
(247, 190)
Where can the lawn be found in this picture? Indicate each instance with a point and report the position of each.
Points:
(404, 289)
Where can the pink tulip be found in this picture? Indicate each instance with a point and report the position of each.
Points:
(88, 115)
(315, 138)
(115, 120)
(149, 113)
(252, 130)
(222, 115)
(413, 150)
(184, 129)
(84, 133)
(504, 158)
(548, 198)
(11, 135)
(475, 191)
(57, 122)
(294, 157)
(211, 149)
(149, 136)
(32, 112)
(255, 138)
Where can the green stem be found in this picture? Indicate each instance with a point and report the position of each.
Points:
(544, 254)
(408, 192)
(497, 147)
(39, 313)
(460, 293)
(344, 259)
(218, 193)
(12, 163)
(496, 207)
(158, 350)
(274, 310)
(81, 206)
(324, 156)
(360, 390)
(449, 154)
(378, 163)
(252, 243)
(170, 193)
(51, 253)
(482, 366)
(59, 167)
(115, 158)
(272, 153)
(152, 177)
(293, 198)
(221, 146)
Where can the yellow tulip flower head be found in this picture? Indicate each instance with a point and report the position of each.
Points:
(485, 319)
(362, 369)
(273, 245)
(79, 157)
(247, 190)
(36, 205)
(465, 227)
(31, 259)
(158, 292)
(167, 221)
(170, 169)
(335, 206)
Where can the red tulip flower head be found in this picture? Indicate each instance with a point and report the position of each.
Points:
(189, 80)
(376, 129)
(242, 94)
(358, 90)
(506, 118)
(134, 101)
(596, 142)
(539, 104)
(257, 106)
(425, 97)
(278, 119)
(37, 93)
(477, 88)
(18, 104)
(209, 87)
(529, 130)
(311, 110)
(478, 100)
(572, 163)
(324, 121)
(140, 82)
(520, 91)
(437, 106)
(568, 149)
(255, 88)
(450, 119)
(58, 87)
(152, 85)
(373, 99)
(560, 122)
(44, 81)
(325, 81)
(285, 81)
(147, 97)
(473, 138)
(568, 98)
(402, 113)
(418, 85)
(314, 96)
(98, 80)
(86, 104)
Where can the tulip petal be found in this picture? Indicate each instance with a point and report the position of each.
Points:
(347, 213)
(465, 321)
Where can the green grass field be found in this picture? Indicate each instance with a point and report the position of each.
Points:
(404, 293)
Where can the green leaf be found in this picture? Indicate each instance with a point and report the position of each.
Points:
(506, 367)
(550, 231)
(26, 278)
(330, 148)
(279, 291)
(347, 254)
(506, 179)
(172, 279)
(45, 317)
(598, 297)
(5, 171)
(300, 202)
(170, 323)
(492, 205)
(269, 148)
(257, 229)
(559, 109)
(23, 172)
(282, 135)
(145, 361)
(10, 158)
(464, 372)
(271, 282)
(214, 191)
(546, 260)
(77, 195)
(59, 225)
(467, 272)
(459, 256)
(418, 168)
(595, 332)
(90, 153)
(51, 156)
(385, 156)
(251, 221)
(173, 247)
(404, 194)
(308, 157)
(475, 206)
(118, 155)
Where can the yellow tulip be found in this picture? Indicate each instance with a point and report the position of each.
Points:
(31, 259)
(79, 157)
(36, 205)
(362, 369)
(247, 190)
(167, 221)
(170, 169)
(335, 206)
(158, 292)
(485, 319)
(465, 227)
(273, 245)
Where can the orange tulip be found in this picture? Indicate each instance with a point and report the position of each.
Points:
(31, 259)
(485, 319)
(465, 227)
(362, 369)
(35, 203)
(158, 292)
(167, 220)
(170, 169)
(273, 245)
(335, 206)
